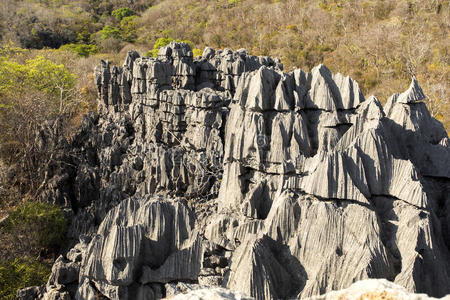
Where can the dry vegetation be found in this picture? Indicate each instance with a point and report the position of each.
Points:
(379, 43)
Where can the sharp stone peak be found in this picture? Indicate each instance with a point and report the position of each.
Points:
(413, 94)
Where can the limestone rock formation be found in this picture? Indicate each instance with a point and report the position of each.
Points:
(211, 294)
(364, 289)
(373, 289)
(225, 171)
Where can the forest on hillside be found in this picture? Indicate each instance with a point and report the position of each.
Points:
(48, 49)
(378, 43)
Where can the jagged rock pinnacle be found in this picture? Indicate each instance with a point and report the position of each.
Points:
(413, 94)
(224, 171)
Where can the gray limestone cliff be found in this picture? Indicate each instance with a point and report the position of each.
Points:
(224, 171)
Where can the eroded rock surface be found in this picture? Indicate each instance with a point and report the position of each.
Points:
(224, 171)
(373, 289)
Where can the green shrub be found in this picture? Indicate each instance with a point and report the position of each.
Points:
(20, 273)
(110, 32)
(197, 52)
(122, 13)
(234, 2)
(37, 225)
(164, 41)
(82, 50)
(128, 28)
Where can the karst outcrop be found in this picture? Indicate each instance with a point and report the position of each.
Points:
(223, 171)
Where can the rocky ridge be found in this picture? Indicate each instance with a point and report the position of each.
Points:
(222, 170)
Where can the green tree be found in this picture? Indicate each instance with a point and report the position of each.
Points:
(32, 92)
(48, 77)
(110, 32)
(38, 74)
(83, 50)
(128, 28)
(164, 41)
(122, 13)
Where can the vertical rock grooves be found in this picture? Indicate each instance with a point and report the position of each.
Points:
(222, 170)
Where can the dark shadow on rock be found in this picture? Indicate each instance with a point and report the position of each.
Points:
(386, 218)
(292, 265)
(427, 278)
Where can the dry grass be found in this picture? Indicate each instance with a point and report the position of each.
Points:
(378, 43)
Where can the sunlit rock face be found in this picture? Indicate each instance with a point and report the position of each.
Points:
(224, 171)
(373, 289)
